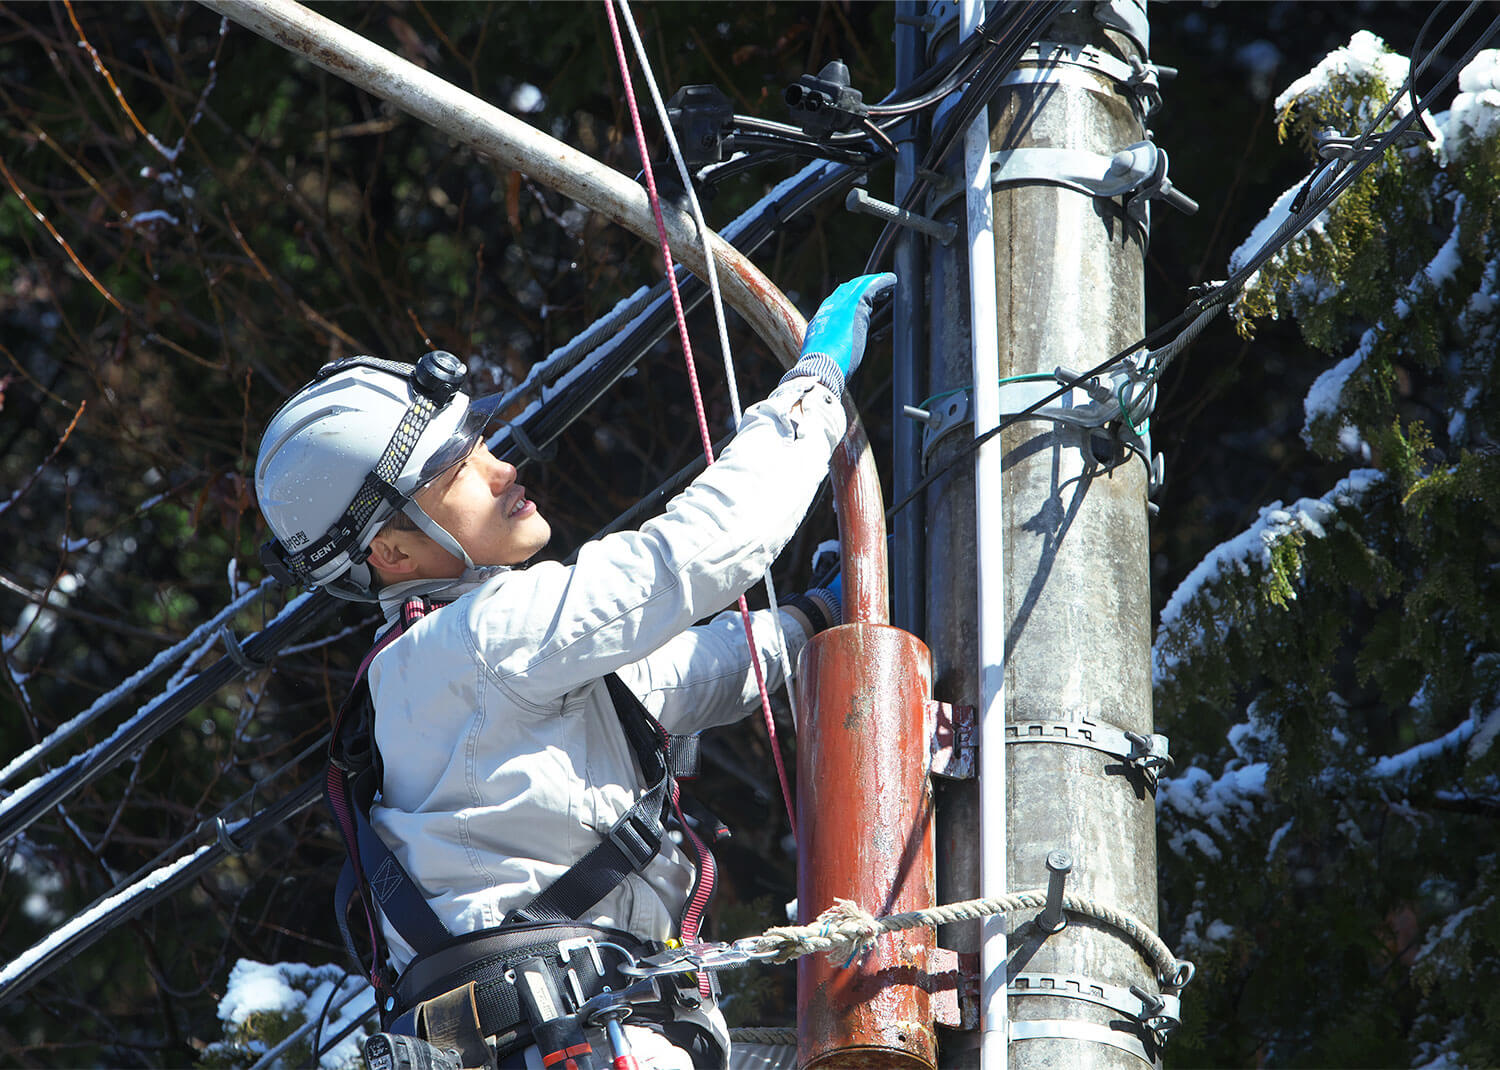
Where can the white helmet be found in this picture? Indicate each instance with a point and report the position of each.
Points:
(350, 449)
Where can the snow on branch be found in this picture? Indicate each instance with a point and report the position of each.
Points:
(1250, 554)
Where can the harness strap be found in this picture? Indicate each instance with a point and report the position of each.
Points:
(396, 893)
(372, 870)
(349, 799)
(633, 841)
(570, 952)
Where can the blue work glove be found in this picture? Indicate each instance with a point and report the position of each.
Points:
(835, 339)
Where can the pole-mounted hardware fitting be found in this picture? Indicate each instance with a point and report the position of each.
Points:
(941, 420)
(1122, 401)
(701, 116)
(1335, 146)
(1067, 63)
(955, 740)
(825, 103)
(1142, 754)
(1154, 1016)
(860, 201)
(1051, 919)
(1129, 18)
(1137, 174)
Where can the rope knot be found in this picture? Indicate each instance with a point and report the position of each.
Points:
(844, 929)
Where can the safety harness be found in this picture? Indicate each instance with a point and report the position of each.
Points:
(463, 986)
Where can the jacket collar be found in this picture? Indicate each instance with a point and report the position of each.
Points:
(392, 597)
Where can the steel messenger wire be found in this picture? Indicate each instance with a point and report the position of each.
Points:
(157, 880)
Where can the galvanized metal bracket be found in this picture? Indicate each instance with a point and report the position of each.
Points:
(860, 201)
(953, 984)
(1063, 63)
(1072, 1029)
(1147, 755)
(955, 740)
(954, 410)
(1157, 1014)
(1137, 174)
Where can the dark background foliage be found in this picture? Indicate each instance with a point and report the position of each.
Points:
(162, 293)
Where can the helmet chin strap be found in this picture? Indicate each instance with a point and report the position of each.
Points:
(357, 582)
(437, 533)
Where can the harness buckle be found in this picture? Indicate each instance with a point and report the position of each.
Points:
(633, 837)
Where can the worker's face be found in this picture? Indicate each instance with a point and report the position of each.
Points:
(479, 503)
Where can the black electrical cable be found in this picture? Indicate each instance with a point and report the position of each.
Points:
(32, 800)
(317, 1037)
(816, 149)
(1320, 199)
(568, 404)
(1010, 43)
(52, 952)
(940, 80)
(958, 69)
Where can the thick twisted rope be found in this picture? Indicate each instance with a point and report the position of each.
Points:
(847, 928)
(763, 1034)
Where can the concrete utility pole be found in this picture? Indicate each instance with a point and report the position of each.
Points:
(1071, 557)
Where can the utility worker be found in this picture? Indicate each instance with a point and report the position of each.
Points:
(506, 765)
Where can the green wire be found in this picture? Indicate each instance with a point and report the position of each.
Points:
(1034, 377)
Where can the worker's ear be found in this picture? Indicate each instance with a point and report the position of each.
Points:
(390, 552)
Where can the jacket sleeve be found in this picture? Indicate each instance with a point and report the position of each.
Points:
(703, 677)
(544, 630)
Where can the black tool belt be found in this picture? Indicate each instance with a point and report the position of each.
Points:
(461, 993)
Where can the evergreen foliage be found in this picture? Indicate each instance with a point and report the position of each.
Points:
(1352, 805)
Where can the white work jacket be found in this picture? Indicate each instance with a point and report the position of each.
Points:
(504, 759)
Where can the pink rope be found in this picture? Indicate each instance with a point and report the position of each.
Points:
(692, 372)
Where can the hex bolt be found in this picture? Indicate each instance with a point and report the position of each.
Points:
(1059, 865)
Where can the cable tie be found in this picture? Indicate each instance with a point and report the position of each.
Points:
(237, 653)
(529, 447)
(226, 841)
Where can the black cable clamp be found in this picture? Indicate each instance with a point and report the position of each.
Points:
(701, 116)
(825, 104)
(528, 447)
(237, 653)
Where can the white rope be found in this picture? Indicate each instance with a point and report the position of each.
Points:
(718, 305)
(847, 928)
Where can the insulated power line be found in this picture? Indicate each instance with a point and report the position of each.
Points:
(1023, 22)
(39, 795)
(151, 884)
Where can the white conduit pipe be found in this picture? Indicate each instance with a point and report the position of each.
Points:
(492, 131)
(990, 578)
